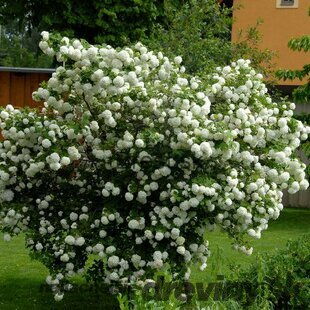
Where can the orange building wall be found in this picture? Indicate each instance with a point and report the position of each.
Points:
(278, 27)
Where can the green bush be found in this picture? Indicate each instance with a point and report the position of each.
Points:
(276, 281)
(279, 280)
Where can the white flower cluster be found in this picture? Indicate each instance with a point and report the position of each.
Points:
(131, 161)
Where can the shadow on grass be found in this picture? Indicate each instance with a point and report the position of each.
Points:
(21, 295)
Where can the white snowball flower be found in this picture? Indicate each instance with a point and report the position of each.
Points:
(45, 35)
(39, 247)
(181, 250)
(4, 114)
(70, 240)
(129, 196)
(110, 249)
(175, 232)
(58, 296)
(73, 153)
(64, 257)
(133, 224)
(139, 143)
(80, 241)
(6, 237)
(113, 261)
(65, 161)
(73, 216)
(118, 81)
(46, 143)
(159, 236)
(178, 60)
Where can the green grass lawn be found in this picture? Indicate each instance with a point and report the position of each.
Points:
(292, 223)
(21, 278)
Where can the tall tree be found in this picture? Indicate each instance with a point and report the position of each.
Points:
(302, 93)
(20, 49)
(114, 22)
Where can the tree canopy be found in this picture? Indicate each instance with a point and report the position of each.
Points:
(114, 22)
(302, 93)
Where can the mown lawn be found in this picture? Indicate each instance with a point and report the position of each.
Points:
(21, 279)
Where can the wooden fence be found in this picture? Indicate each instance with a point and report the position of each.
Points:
(17, 85)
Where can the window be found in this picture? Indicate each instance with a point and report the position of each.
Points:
(287, 4)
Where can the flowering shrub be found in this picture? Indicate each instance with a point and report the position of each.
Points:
(131, 161)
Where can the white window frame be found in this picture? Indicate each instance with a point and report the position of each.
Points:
(279, 6)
